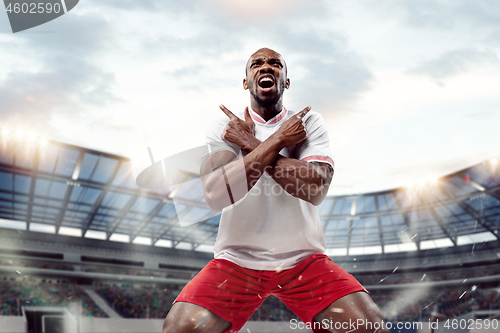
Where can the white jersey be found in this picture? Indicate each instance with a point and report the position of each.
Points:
(269, 229)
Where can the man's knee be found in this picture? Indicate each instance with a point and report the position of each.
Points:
(355, 313)
(190, 318)
(185, 324)
(371, 325)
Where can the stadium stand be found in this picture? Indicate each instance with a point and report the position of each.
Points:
(139, 303)
(30, 292)
(72, 218)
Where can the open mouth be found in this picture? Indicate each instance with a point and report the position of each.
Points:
(266, 82)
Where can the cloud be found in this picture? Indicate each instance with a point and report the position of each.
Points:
(35, 97)
(323, 71)
(330, 76)
(443, 14)
(170, 6)
(453, 63)
(263, 12)
(60, 72)
(108, 65)
(476, 20)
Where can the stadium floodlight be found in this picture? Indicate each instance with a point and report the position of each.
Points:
(117, 237)
(433, 181)
(412, 185)
(336, 252)
(142, 240)
(163, 243)
(95, 234)
(19, 134)
(42, 227)
(5, 132)
(205, 248)
(31, 138)
(69, 231)
(12, 224)
(43, 142)
(422, 184)
(353, 207)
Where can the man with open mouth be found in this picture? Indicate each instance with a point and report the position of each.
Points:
(268, 169)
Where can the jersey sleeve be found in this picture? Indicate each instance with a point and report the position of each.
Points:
(317, 146)
(214, 141)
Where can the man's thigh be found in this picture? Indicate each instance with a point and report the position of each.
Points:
(227, 290)
(187, 318)
(313, 285)
(355, 312)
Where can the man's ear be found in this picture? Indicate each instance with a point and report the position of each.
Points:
(245, 85)
(287, 85)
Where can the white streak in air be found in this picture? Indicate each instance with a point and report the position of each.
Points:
(395, 269)
(279, 268)
(270, 251)
(425, 307)
(401, 301)
(462, 295)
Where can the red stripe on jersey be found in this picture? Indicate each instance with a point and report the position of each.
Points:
(276, 120)
(281, 116)
(319, 158)
(257, 119)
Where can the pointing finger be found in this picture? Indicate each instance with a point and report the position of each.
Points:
(247, 115)
(303, 113)
(227, 112)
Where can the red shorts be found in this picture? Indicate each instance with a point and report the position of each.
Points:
(234, 293)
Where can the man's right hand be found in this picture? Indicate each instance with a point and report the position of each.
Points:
(292, 131)
(240, 132)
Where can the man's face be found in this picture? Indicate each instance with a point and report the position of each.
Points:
(266, 77)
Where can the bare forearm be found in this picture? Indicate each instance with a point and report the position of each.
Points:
(230, 182)
(304, 180)
(301, 179)
(222, 176)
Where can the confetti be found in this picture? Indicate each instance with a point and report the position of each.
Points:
(220, 285)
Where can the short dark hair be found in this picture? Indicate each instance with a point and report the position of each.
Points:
(266, 48)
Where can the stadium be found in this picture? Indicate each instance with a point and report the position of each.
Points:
(108, 108)
(84, 249)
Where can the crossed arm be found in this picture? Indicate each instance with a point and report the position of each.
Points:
(222, 174)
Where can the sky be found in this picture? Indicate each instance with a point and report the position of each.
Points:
(410, 90)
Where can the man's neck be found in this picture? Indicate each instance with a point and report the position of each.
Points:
(266, 113)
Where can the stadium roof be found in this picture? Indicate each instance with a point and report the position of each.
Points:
(62, 189)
